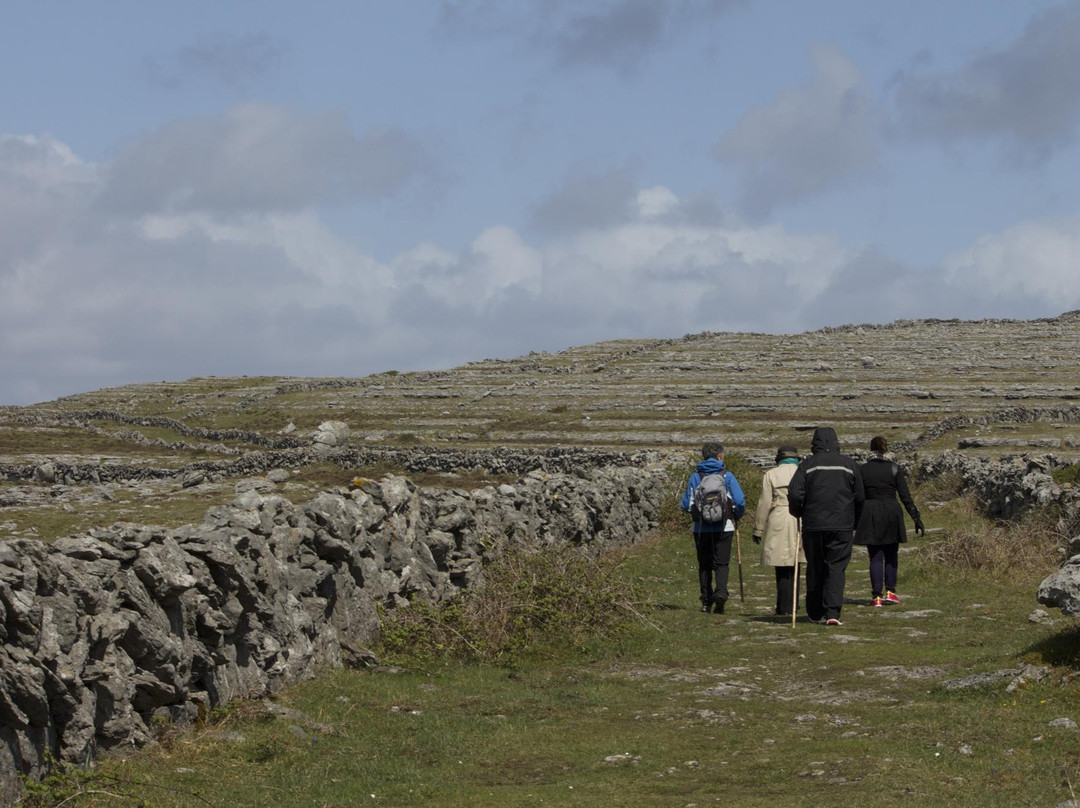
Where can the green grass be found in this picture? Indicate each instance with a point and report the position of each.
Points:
(1067, 475)
(167, 507)
(45, 441)
(691, 709)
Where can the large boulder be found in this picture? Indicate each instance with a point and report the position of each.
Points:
(330, 436)
(1062, 589)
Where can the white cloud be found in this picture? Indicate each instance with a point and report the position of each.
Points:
(654, 202)
(110, 298)
(816, 137)
(1033, 261)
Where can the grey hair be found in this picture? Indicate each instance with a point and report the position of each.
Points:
(712, 449)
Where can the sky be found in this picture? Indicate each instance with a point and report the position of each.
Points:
(345, 188)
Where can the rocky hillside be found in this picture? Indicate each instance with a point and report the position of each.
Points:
(163, 452)
(752, 389)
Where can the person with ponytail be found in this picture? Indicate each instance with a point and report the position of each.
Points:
(881, 524)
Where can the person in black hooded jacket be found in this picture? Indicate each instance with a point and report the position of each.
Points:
(826, 494)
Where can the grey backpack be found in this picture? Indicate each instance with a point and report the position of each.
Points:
(712, 501)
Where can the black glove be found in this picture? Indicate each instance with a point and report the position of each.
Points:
(757, 539)
(919, 529)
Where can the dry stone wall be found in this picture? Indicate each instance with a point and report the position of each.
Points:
(1006, 487)
(416, 459)
(105, 636)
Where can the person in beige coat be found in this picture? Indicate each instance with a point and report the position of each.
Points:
(776, 530)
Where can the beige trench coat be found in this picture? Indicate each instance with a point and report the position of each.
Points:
(773, 522)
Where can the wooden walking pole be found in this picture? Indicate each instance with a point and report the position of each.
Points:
(795, 583)
(738, 555)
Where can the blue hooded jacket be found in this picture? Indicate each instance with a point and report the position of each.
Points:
(738, 498)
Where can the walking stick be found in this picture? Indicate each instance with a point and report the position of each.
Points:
(795, 583)
(738, 555)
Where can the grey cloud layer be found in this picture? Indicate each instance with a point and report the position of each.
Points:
(1026, 94)
(587, 200)
(260, 157)
(834, 129)
(810, 139)
(233, 61)
(619, 34)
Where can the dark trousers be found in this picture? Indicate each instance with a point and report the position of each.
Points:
(827, 555)
(883, 563)
(785, 594)
(713, 558)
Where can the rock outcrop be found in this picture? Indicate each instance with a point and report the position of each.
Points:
(1006, 487)
(107, 635)
(1062, 589)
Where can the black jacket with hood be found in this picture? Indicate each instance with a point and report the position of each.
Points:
(827, 489)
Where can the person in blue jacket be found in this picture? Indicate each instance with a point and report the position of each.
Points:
(712, 541)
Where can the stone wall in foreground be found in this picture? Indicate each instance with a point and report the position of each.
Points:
(105, 636)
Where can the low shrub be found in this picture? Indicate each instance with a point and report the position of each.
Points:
(1028, 545)
(528, 600)
(1067, 475)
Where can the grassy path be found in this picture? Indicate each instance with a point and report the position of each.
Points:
(736, 709)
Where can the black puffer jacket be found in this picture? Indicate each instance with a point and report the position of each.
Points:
(827, 489)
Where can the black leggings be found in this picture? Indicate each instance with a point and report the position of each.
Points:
(883, 562)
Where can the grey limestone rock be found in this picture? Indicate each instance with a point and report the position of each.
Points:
(1061, 590)
(330, 435)
(105, 634)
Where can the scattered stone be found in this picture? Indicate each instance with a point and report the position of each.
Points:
(1062, 723)
(910, 615)
(902, 672)
(980, 679)
(225, 736)
(1028, 673)
(622, 758)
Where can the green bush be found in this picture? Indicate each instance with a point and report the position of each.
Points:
(66, 784)
(527, 601)
(1067, 475)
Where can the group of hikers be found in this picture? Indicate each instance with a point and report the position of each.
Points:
(811, 511)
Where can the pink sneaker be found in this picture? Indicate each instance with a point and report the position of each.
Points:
(891, 597)
(876, 602)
